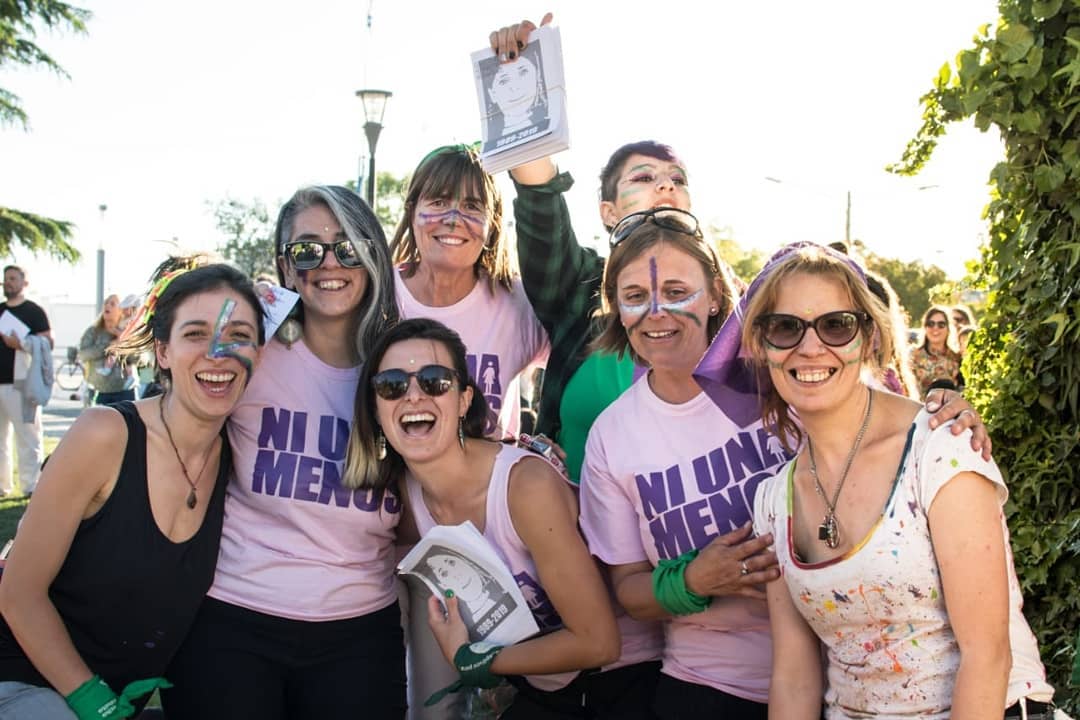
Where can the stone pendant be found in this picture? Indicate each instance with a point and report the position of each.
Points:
(191, 499)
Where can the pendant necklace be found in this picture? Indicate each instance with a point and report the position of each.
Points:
(191, 498)
(829, 530)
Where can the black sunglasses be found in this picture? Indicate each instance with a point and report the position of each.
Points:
(940, 324)
(308, 254)
(666, 217)
(835, 329)
(434, 380)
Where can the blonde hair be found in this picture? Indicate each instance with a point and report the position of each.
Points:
(811, 260)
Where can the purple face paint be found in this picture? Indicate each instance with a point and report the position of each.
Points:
(218, 349)
(451, 217)
(652, 281)
(651, 308)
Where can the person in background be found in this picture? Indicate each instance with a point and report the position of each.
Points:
(962, 316)
(419, 426)
(892, 543)
(896, 375)
(118, 546)
(936, 358)
(302, 620)
(454, 267)
(108, 377)
(13, 366)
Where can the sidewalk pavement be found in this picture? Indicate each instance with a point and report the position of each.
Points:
(61, 411)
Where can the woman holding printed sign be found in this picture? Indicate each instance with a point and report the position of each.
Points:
(562, 278)
(420, 425)
(302, 620)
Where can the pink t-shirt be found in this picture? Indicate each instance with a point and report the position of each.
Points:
(508, 545)
(662, 479)
(502, 336)
(880, 608)
(296, 543)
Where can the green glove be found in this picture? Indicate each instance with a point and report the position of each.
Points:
(474, 663)
(95, 700)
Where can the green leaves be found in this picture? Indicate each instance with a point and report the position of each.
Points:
(1023, 367)
(1045, 9)
(1048, 178)
(37, 234)
(18, 23)
(1072, 69)
(1013, 43)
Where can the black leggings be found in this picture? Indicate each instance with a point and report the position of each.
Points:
(681, 700)
(238, 663)
(625, 693)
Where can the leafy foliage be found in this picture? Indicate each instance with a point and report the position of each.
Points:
(745, 263)
(389, 199)
(36, 233)
(1024, 79)
(18, 26)
(913, 281)
(249, 235)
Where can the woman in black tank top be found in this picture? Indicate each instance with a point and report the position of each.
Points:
(118, 546)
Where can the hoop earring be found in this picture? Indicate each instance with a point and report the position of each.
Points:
(461, 432)
(380, 447)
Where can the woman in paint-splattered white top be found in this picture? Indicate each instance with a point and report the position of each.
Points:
(899, 563)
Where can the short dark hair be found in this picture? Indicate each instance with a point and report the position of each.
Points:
(609, 175)
(362, 468)
(16, 268)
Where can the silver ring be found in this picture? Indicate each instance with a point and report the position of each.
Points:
(969, 411)
(745, 570)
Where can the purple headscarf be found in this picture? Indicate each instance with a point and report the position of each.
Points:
(726, 372)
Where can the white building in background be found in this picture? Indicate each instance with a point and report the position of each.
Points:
(68, 320)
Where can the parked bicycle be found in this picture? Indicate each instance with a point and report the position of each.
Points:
(71, 374)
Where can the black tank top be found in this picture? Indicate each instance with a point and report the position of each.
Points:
(126, 593)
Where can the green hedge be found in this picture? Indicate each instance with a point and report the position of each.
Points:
(1023, 77)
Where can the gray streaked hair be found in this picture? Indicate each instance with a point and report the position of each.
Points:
(378, 308)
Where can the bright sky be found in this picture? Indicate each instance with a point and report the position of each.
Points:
(172, 105)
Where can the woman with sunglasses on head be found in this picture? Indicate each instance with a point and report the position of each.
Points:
(454, 267)
(117, 548)
(302, 620)
(936, 358)
(669, 477)
(891, 539)
(419, 426)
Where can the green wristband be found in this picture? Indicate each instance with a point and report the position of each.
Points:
(95, 700)
(669, 586)
(473, 662)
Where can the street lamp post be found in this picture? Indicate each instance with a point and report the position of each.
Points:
(100, 299)
(374, 108)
